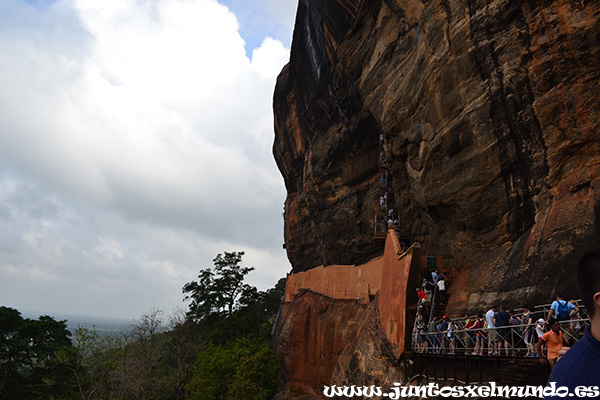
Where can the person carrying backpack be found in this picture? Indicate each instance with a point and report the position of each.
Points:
(560, 309)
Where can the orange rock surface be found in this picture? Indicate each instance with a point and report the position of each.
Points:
(323, 307)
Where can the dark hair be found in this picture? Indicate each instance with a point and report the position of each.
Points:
(588, 280)
(502, 308)
(526, 306)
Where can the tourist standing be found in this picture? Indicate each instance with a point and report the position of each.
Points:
(479, 334)
(433, 340)
(575, 317)
(434, 277)
(468, 335)
(528, 334)
(421, 295)
(492, 334)
(560, 309)
(451, 336)
(516, 331)
(554, 341)
(442, 330)
(502, 322)
(427, 288)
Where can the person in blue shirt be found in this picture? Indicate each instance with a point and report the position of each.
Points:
(442, 329)
(560, 309)
(579, 369)
(502, 321)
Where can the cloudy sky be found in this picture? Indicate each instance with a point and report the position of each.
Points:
(135, 145)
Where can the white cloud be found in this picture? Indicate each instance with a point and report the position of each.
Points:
(109, 249)
(135, 142)
(269, 57)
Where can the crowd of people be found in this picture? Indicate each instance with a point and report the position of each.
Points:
(514, 332)
(570, 332)
(499, 331)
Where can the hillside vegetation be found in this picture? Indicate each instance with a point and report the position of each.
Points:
(217, 349)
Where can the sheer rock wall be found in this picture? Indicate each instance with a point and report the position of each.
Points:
(324, 342)
(489, 112)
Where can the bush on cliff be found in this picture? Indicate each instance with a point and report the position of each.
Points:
(243, 369)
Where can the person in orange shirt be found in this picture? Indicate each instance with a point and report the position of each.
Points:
(553, 339)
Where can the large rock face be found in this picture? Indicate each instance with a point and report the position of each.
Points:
(323, 342)
(489, 112)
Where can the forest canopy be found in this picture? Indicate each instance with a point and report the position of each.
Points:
(217, 349)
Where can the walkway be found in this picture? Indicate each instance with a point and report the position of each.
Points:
(464, 340)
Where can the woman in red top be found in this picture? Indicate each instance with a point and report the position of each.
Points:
(479, 334)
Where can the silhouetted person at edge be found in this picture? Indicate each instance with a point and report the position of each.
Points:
(580, 366)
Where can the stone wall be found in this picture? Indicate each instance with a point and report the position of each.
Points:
(331, 313)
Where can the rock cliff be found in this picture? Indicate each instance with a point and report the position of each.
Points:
(486, 112)
(324, 342)
(346, 324)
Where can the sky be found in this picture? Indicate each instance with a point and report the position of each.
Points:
(135, 145)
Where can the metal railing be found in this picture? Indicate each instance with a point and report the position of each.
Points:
(540, 310)
(475, 341)
(433, 303)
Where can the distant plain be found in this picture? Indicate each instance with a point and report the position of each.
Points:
(104, 326)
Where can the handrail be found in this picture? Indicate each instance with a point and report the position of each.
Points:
(432, 310)
(514, 332)
(546, 307)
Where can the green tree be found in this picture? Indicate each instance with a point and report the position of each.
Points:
(95, 360)
(256, 376)
(34, 356)
(217, 291)
(257, 310)
(243, 369)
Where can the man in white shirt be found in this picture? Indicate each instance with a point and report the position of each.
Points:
(491, 325)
